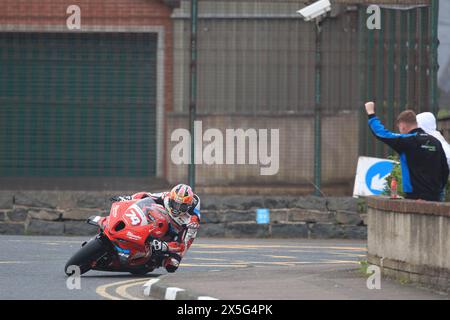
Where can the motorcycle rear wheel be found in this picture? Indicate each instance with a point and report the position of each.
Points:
(89, 253)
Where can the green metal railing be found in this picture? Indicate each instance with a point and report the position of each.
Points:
(398, 67)
(193, 88)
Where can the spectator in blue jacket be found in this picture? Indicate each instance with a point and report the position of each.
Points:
(424, 164)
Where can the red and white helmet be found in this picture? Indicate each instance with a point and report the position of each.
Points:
(179, 201)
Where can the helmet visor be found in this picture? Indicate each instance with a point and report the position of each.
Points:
(178, 208)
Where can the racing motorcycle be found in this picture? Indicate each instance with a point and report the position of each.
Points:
(128, 240)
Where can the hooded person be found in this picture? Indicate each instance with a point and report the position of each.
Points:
(427, 122)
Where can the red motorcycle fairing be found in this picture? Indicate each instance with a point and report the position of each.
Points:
(129, 226)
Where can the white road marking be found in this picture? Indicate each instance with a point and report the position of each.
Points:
(148, 286)
(171, 293)
(206, 298)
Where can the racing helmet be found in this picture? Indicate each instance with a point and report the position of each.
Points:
(179, 200)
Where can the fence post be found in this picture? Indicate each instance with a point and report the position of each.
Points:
(369, 76)
(193, 89)
(434, 21)
(379, 147)
(317, 115)
(403, 61)
(420, 61)
(362, 90)
(390, 71)
(411, 98)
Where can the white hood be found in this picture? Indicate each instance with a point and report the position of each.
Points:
(427, 122)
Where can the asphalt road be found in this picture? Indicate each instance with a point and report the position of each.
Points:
(32, 268)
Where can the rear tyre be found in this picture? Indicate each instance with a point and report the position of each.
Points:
(89, 253)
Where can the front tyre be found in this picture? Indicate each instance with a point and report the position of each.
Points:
(84, 258)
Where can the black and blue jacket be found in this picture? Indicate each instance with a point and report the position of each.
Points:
(424, 166)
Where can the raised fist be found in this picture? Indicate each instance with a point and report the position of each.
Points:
(370, 108)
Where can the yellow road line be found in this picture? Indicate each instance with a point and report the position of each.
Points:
(280, 257)
(256, 246)
(208, 259)
(293, 263)
(338, 262)
(275, 263)
(122, 290)
(281, 263)
(213, 265)
(101, 290)
(346, 254)
(225, 246)
(218, 252)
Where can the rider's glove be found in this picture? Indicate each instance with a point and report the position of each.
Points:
(193, 225)
(159, 246)
(120, 198)
(192, 229)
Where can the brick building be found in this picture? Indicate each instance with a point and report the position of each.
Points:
(91, 94)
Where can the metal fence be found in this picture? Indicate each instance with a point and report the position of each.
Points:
(104, 101)
(258, 59)
(398, 67)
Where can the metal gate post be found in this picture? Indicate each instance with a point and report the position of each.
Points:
(193, 89)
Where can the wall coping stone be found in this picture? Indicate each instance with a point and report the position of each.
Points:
(409, 206)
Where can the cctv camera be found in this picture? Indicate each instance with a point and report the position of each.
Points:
(316, 9)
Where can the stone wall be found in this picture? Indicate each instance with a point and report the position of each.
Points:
(290, 217)
(410, 240)
(65, 212)
(50, 212)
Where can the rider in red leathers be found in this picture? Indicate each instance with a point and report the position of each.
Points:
(183, 210)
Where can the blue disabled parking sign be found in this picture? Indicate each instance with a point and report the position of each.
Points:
(371, 176)
(262, 216)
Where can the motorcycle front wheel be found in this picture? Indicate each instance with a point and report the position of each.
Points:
(84, 258)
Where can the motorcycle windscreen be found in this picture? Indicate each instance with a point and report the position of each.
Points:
(136, 214)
